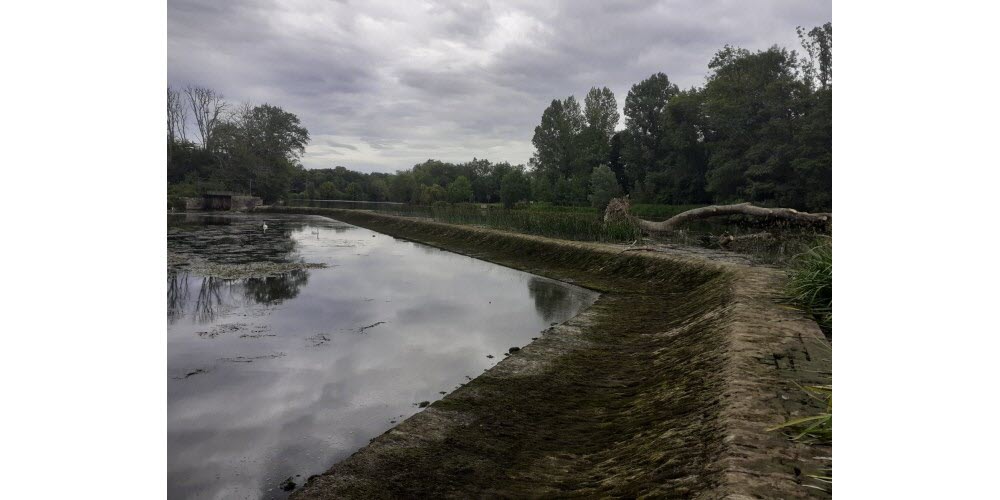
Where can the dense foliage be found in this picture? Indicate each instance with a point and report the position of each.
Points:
(758, 130)
(253, 149)
(604, 187)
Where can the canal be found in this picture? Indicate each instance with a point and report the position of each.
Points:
(291, 347)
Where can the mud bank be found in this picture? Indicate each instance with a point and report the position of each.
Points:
(664, 387)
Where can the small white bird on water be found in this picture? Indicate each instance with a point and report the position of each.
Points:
(265, 227)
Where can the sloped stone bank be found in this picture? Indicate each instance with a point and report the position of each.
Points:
(663, 388)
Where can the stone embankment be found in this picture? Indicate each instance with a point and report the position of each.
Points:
(665, 387)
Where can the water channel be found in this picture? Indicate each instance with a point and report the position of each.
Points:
(290, 348)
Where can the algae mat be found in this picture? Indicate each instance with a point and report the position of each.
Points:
(663, 388)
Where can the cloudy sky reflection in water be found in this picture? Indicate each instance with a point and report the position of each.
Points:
(290, 385)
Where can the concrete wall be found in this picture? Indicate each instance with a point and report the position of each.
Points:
(665, 388)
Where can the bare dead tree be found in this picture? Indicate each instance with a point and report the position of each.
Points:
(176, 116)
(784, 214)
(207, 106)
(241, 115)
(171, 116)
(619, 210)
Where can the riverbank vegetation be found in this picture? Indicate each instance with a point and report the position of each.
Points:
(673, 418)
(810, 286)
(811, 282)
(643, 210)
(245, 148)
(758, 130)
(565, 225)
(570, 223)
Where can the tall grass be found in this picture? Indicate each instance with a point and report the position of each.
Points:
(811, 282)
(814, 429)
(567, 225)
(643, 210)
(811, 287)
(571, 223)
(543, 206)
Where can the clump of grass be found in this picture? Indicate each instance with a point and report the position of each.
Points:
(811, 282)
(814, 429)
(811, 287)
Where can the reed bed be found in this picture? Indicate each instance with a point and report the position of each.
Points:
(579, 226)
(565, 225)
(810, 282)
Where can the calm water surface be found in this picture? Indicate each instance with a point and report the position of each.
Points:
(282, 375)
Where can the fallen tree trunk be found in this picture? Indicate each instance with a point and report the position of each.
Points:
(785, 214)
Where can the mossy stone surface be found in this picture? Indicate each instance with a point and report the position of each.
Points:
(663, 388)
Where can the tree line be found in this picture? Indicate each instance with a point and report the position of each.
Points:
(245, 148)
(758, 130)
(426, 183)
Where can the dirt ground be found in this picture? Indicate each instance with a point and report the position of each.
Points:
(665, 387)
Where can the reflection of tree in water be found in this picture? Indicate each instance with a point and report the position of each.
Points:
(275, 289)
(213, 293)
(177, 295)
(228, 240)
(209, 299)
(207, 303)
(550, 298)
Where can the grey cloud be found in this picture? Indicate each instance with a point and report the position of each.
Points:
(335, 144)
(389, 84)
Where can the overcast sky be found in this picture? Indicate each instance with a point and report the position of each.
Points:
(384, 85)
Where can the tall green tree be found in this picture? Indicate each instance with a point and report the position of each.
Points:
(487, 180)
(818, 46)
(644, 107)
(328, 191)
(541, 185)
(514, 187)
(754, 104)
(601, 111)
(604, 187)
(812, 166)
(680, 174)
(460, 190)
(263, 144)
(615, 161)
(403, 188)
(379, 190)
(601, 115)
(555, 138)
